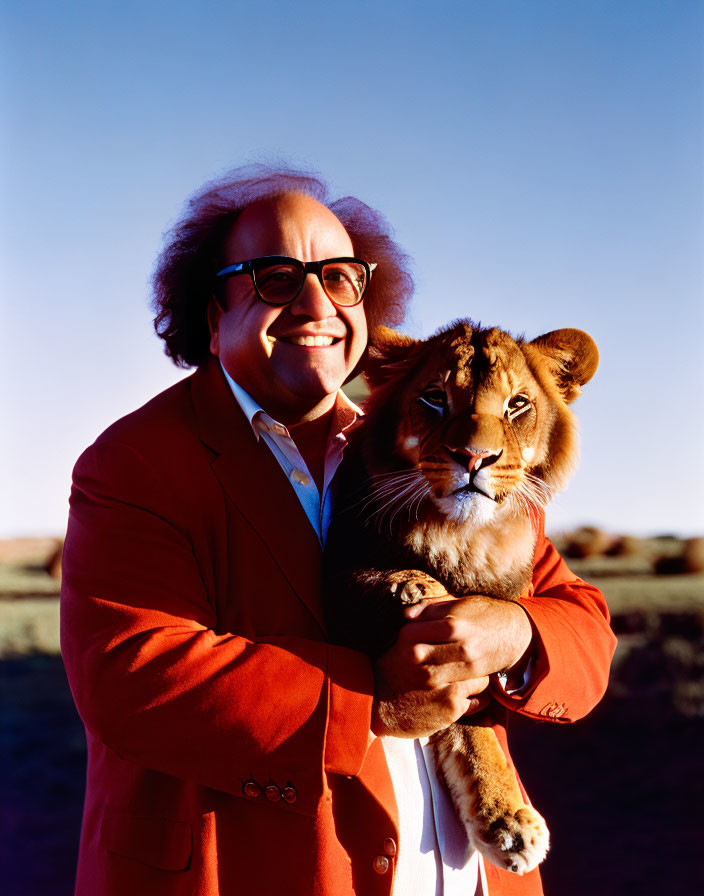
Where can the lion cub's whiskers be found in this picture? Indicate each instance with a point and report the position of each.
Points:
(388, 484)
(396, 494)
(394, 474)
(530, 496)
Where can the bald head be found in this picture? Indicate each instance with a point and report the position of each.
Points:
(306, 226)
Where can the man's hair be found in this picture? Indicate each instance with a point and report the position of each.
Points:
(184, 277)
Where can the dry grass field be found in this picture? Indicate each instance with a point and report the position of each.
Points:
(618, 788)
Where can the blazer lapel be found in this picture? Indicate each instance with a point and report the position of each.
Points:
(257, 485)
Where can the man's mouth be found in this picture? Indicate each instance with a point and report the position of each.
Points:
(307, 341)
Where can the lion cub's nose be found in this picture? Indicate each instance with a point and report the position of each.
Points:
(474, 458)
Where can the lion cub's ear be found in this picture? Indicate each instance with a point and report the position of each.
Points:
(389, 355)
(575, 355)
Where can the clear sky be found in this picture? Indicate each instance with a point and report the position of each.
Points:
(541, 162)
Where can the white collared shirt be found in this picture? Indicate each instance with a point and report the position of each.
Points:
(434, 857)
(282, 446)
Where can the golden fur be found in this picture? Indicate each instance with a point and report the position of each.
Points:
(466, 435)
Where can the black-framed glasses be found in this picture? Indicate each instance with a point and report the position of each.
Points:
(278, 279)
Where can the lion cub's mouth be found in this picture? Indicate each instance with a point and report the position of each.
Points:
(475, 464)
(474, 486)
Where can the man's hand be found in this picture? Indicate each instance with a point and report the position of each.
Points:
(441, 661)
(478, 635)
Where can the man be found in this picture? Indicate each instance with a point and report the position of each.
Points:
(231, 749)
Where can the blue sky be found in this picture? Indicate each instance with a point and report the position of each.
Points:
(541, 162)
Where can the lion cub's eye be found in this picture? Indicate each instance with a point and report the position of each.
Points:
(516, 406)
(434, 398)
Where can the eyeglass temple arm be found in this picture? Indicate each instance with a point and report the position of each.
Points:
(232, 269)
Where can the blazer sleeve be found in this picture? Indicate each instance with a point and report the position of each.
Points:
(572, 641)
(153, 680)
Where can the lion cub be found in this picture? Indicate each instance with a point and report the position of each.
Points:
(466, 437)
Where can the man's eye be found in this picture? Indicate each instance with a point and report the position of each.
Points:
(278, 275)
(335, 275)
(517, 405)
(342, 275)
(435, 399)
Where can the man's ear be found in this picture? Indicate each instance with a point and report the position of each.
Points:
(389, 354)
(575, 359)
(213, 313)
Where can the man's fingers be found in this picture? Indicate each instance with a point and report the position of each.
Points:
(436, 631)
(473, 686)
(477, 703)
(416, 610)
(429, 610)
(425, 654)
(447, 673)
(463, 697)
(442, 680)
(437, 662)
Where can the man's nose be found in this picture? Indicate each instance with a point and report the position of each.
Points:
(312, 301)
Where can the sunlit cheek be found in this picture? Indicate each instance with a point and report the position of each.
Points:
(267, 344)
(407, 442)
(528, 453)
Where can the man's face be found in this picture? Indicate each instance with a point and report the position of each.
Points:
(258, 344)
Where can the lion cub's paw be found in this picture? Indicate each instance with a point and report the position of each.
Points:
(411, 586)
(517, 842)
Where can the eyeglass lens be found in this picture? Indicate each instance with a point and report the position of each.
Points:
(342, 281)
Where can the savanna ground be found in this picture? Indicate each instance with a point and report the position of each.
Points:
(620, 789)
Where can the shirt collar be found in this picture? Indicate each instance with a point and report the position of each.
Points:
(346, 411)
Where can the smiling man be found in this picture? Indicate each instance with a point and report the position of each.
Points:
(294, 356)
(232, 749)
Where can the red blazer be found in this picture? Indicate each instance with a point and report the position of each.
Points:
(227, 741)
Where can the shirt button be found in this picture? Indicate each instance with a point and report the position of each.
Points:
(390, 846)
(300, 476)
(273, 794)
(381, 864)
(251, 789)
(289, 794)
(279, 429)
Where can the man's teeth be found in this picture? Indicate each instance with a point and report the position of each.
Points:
(311, 340)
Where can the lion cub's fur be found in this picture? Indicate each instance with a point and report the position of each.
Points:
(465, 438)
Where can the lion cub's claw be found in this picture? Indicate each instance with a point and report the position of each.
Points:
(517, 842)
(413, 586)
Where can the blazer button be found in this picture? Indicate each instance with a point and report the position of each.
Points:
(289, 793)
(273, 794)
(300, 476)
(251, 789)
(390, 846)
(381, 864)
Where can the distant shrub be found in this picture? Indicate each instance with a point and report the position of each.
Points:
(587, 541)
(668, 565)
(53, 564)
(693, 555)
(689, 560)
(625, 546)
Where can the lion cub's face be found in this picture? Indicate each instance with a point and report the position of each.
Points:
(480, 424)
